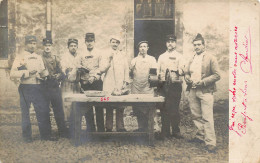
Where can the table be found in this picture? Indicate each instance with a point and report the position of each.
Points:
(125, 100)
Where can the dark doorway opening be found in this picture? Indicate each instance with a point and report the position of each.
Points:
(3, 30)
(153, 31)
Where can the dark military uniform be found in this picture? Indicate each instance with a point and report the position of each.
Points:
(170, 63)
(53, 90)
(91, 63)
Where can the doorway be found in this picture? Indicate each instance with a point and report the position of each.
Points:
(153, 31)
(153, 20)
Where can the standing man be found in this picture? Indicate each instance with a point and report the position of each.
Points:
(171, 62)
(139, 70)
(115, 79)
(90, 80)
(201, 76)
(29, 68)
(70, 63)
(52, 85)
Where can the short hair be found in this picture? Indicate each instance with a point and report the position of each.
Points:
(141, 42)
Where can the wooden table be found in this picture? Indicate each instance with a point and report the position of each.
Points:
(126, 100)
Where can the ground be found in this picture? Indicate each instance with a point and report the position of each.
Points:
(113, 149)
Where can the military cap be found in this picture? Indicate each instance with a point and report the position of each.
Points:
(29, 39)
(199, 37)
(170, 37)
(117, 38)
(142, 42)
(90, 37)
(47, 41)
(72, 40)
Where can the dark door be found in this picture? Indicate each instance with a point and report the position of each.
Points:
(3, 30)
(153, 31)
(154, 19)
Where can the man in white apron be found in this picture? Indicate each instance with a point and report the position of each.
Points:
(139, 70)
(115, 78)
(70, 62)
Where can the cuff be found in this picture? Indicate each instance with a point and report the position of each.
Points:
(97, 76)
(204, 83)
(26, 74)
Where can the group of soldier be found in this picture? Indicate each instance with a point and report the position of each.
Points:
(45, 78)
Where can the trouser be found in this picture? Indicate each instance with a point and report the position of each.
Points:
(96, 85)
(119, 118)
(33, 93)
(53, 95)
(141, 113)
(170, 115)
(68, 88)
(201, 105)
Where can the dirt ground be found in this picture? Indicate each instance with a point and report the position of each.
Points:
(114, 149)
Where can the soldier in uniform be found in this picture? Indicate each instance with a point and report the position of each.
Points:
(29, 68)
(115, 79)
(139, 70)
(90, 79)
(52, 85)
(170, 62)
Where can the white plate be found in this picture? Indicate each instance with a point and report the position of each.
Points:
(95, 93)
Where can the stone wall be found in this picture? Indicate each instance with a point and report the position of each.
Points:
(214, 26)
(75, 18)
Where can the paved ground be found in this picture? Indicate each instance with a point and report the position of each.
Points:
(114, 149)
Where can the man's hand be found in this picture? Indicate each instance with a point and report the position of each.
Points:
(33, 72)
(23, 63)
(199, 84)
(68, 70)
(187, 79)
(56, 76)
(91, 79)
(125, 85)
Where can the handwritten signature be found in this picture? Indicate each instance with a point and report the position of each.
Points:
(246, 64)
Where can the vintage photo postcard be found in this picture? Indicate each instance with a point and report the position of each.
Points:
(129, 81)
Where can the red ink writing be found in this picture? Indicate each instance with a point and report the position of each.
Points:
(104, 99)
(233, 112)
(235, 64)
(235, 39)
(239, 122)
(234, 72)
(231, 127)
(234, 94)
(246, 64)
(242, 126)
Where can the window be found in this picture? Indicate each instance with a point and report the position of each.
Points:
(154, 19)
(3, 29)
(154, 9)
